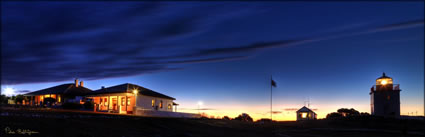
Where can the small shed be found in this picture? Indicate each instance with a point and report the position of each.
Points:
(306, 114)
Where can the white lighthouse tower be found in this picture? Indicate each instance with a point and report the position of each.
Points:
(385, 97)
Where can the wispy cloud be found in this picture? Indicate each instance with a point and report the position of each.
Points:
(50, 42)
(291, 109)
(268, 113)
(197, 109)
(206, 60)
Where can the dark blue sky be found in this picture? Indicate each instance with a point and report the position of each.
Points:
(221, 53)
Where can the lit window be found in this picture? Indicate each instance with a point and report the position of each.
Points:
(304, 115)
(383, 82)
(153, 102)
(160, 104)
(123, 101)
(169, 106)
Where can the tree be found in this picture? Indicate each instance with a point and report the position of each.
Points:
(348, 112)
(3, 99)
(19, 98)
(364, 114)
(226, 118)
(244, 117)
(334, 115)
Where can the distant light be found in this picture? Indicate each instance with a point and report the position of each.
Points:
(9, 91)
(200, 103)
(383, 82)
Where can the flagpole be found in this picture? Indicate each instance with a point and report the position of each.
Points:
(271, 99)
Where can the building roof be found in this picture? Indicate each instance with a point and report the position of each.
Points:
(305, 109)
(65, 89)
(128, 88)
(384, 76)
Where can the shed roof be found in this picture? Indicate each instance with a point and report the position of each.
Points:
(305, 109)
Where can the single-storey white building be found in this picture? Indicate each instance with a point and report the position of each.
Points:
(129, 99)
(306, 114)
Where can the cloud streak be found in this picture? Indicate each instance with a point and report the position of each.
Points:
(197, 109)
(50, 42)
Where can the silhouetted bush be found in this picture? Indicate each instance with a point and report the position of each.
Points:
(243, 117)
(204, 117)
(364, 114)
(226, 118)
(333, 115)
(264, 120)
(71, 106)
(348, 112)
(19, 98)
(88, 105)
(3, 99)
(49, 101)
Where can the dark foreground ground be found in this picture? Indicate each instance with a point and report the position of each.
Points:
(53, 123)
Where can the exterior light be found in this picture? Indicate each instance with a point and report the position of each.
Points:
(383, 82)
(135, 91)
(199, 107)
(9, 91)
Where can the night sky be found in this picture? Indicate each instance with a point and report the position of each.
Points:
(221, 53)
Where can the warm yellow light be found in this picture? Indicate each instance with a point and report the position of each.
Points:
(135, 91)
(9, 91)
(304, 115)
(383, 82)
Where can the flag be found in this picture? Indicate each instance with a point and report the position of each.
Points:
(273, 83)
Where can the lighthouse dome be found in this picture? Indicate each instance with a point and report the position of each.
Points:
(384, 80)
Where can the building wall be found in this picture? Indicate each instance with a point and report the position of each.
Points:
(385, 103)
(145, 102)
(121, 105)
(309, 116)
(153, 113)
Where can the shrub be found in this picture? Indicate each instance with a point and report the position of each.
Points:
(71, 106)
(226, 118)
(244, 117)
(334, 115)
(88, 105)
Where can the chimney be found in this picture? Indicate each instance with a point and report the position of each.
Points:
(103, 87)
(81, 83)
(76, 82)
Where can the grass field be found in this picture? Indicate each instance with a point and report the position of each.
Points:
(51, 123)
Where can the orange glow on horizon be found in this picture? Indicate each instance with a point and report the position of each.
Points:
(259, 112)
